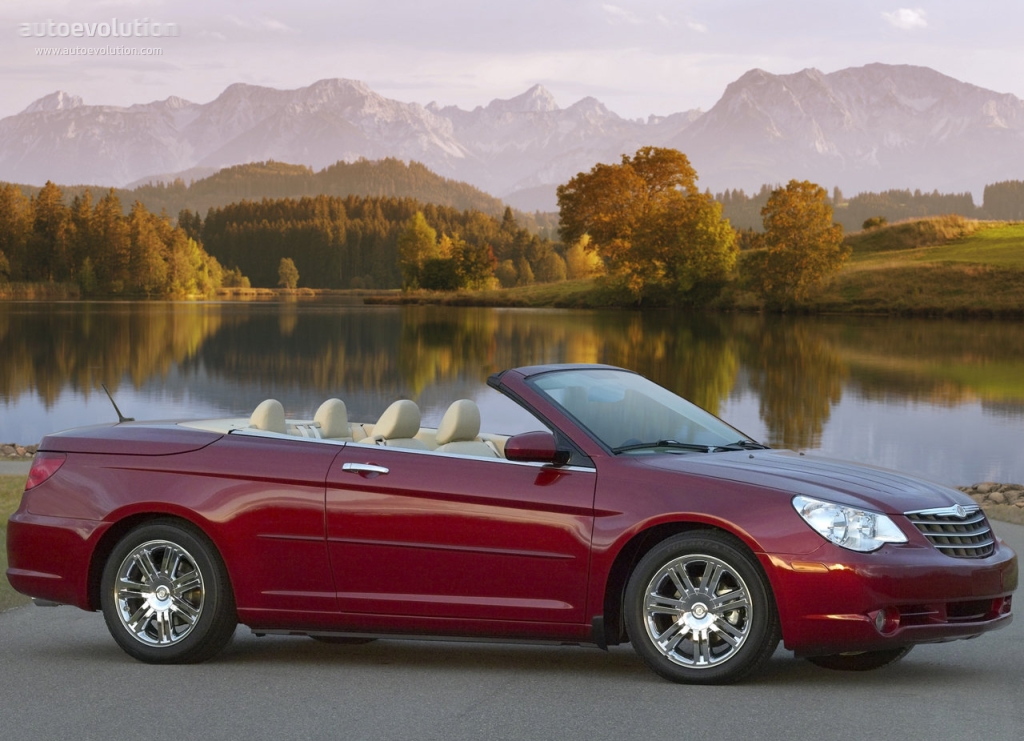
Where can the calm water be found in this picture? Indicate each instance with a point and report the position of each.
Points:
(942, 399)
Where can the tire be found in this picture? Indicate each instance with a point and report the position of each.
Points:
(165, 595)
(863, 661)
(699, 610)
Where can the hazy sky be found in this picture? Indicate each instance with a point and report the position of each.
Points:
(638, 57)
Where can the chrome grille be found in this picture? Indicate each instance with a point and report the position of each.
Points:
(958, 531)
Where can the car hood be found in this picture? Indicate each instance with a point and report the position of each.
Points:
(838, 481)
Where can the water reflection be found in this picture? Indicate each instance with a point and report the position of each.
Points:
(795, 382)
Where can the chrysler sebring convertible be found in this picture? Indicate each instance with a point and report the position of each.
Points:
(627, 514)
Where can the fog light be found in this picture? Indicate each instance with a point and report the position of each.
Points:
(1004, 608)
(887, 620)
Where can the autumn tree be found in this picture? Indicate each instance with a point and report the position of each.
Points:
(416, 244)
(802, 247)
(474, 263)
(581, 262)
(15, 227)
(648, 221)
(113, 244)
(287, 273)
(48, 255)
(147, 252)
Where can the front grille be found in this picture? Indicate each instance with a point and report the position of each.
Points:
(958, 531)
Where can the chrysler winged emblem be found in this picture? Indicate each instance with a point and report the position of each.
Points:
(960, 511)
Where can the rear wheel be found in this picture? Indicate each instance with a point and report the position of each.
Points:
(863, 661)
(165, 595)
(699, 610)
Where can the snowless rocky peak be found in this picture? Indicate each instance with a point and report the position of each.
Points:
(535, 100)
(866, 128)
(326, 91)
(58, 101)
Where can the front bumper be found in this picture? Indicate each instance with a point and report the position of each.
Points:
(835, 600)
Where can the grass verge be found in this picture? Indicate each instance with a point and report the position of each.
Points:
(11, 488)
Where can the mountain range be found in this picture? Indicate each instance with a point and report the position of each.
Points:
(867, 128)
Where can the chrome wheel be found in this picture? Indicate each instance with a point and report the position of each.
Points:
(697, 611)
(159, 593)
(166, 595)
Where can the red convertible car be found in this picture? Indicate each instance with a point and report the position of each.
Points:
(628, 515)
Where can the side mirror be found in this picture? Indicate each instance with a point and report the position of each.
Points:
(535, 447)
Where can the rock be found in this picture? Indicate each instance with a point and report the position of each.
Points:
(20, 451)
(985, 488)
(7, 450)
(997, 497)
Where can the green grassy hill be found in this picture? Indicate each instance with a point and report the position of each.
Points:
(939, 266)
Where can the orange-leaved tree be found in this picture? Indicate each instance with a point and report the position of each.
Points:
(803, 248)
(648, 221)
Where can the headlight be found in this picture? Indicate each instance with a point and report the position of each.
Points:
(848, 527)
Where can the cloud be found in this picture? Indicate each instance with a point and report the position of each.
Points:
(698, 27)
(907, 18)
(272, 24)
(621, 14)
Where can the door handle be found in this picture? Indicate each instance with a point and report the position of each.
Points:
(364, 469)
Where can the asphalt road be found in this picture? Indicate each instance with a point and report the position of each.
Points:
(62, 677)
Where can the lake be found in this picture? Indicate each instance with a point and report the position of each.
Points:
(942, 399)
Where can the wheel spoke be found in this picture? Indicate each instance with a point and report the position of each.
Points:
(187, 612)
(657, 604)
(681, 580)
(712, 576)
(127, 588)
(172, 557)
(734, 600)
(145, 561)
(163, 627)
(701, 649)
(672, 637)
(186, 583)
(729, 632)
(140, 620)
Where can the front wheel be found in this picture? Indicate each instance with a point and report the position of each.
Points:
(863, 661)
(699, 610)
(165, 595)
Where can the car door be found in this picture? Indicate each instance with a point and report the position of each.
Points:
(442, 536)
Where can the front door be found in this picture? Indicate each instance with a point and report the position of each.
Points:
(426, 534)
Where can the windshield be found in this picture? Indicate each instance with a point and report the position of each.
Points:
(626, 412)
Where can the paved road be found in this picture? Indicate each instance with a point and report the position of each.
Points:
(15, 468)
(62, 677)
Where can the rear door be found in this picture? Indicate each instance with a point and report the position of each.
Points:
(426, 534)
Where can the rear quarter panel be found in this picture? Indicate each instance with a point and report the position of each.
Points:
(259, 500)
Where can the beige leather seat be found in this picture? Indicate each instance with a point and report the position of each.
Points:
(459, 429)
(397, 427)
(332, 417)
(269, 416)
